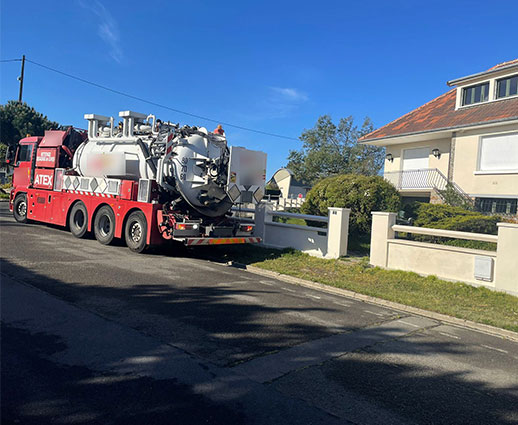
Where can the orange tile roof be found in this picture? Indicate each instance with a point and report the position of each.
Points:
(440, 114)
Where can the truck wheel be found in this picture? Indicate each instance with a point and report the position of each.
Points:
(78, 220)
(135, 232)
(20, 208)
(104, 225)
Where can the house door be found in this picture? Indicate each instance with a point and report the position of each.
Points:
(415, 160)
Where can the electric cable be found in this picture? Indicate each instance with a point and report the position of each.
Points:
(140, 99)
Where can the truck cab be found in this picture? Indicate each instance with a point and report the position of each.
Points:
(22, 160)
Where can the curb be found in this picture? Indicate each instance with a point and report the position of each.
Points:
(487, 329)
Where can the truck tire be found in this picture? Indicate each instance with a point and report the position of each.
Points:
(78, 220)
(20, 208)
(135, 231)
(104, 225)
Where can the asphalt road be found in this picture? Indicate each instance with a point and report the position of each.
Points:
(97, 334)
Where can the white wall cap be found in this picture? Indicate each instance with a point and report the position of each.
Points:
(96, 117)
(383, 213)
(511, 225)
(339, 209)
(132, 114)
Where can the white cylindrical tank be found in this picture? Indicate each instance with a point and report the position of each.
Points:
(196, 167)
(112, 158)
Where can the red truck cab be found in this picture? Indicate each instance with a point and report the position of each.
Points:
(23, 172)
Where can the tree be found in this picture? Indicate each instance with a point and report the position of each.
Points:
(18, 119)
(330, 150)
(362, 194)
(3, 151)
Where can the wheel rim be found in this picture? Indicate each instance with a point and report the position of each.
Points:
(79, 219)
(136, 232)
(22, 208)
(104, 226)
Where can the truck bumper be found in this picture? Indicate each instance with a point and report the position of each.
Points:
(219, 241)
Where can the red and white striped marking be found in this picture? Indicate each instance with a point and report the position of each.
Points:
(169, 145)
(220, 241)
(81, 192)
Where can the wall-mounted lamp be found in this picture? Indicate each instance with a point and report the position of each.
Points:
(389, 157)
(436, 152)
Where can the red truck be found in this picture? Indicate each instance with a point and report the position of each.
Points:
(143, 181)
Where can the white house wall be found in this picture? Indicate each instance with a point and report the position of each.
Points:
(440, 163)
(466, 164)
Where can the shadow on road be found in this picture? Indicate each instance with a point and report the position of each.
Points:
(223, 322)
(38, 391)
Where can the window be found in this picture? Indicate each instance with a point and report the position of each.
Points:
(24, 153)
(499, 153)
(496, 205)
(475, 94)
(507, 87)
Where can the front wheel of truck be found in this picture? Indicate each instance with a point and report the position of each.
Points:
(20, 208)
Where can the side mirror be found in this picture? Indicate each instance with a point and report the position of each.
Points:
(9, 154)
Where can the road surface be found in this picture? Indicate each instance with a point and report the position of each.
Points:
(97, 334)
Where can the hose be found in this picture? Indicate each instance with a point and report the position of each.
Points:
(145, 151)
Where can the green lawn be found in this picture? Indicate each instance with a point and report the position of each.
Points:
(430, 293)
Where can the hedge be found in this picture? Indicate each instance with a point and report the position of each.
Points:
(439, 216)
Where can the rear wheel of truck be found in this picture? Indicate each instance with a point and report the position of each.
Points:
(104, 225)
(78, 220)
(135, 231)
(20, 208)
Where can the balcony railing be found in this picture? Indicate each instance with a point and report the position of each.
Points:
(425, 178)
(429, 179)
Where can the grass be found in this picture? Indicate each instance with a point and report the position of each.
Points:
(430, 293)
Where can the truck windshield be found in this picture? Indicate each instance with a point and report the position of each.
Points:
(24, 153)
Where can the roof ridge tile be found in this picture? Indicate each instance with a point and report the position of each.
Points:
(500, 65)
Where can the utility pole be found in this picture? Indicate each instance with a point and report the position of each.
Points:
(20, 79)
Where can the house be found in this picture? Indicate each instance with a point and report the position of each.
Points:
(289, 187)
(464, 141)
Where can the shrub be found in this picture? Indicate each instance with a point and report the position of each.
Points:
(439, 216)
(453, 218)
(362, 194)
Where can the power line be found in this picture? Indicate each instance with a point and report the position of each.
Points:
(10, 60)
(158, 104)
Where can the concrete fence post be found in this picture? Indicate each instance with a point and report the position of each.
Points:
(381, 232)
(337, 232)
(262, 216)
(506, 273)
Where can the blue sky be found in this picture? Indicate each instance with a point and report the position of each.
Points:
(270, 65)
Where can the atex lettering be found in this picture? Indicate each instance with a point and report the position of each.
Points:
(43, 180)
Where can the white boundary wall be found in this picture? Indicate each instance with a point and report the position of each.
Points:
(444, 261)
(315, 241)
